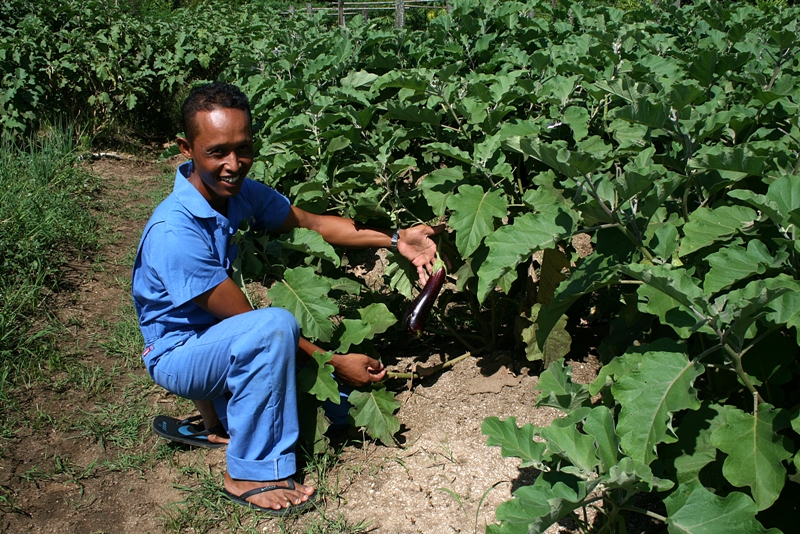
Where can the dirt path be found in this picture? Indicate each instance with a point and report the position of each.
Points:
(86, 461)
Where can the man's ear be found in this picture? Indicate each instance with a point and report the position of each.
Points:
(185, 146)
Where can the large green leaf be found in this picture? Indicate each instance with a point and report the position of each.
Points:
(672, 295)
(785, 192)
(510, 245)
(591, 274)
(734, 263)
(474, 214)
(304, 293)
(439, 185)
(694, 450)
(661, 386)
(755, 451)
(564, 439)
(555, 347)
(600, 425)
(693, 509)
(534, 508)
(375, 319)
(513, 440)
(733, 163)
(707, 226)
(374, 410)
(310, 242)
(559, 391)
(316, 378)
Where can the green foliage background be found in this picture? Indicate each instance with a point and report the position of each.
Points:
(668, 135)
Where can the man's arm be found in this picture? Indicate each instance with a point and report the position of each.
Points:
(415, 243)
(226, 300)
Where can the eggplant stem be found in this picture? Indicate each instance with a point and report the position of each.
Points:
(429, 371)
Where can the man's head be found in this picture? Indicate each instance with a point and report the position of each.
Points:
(219, 141)
(209, 97)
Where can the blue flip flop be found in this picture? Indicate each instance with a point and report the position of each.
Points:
(187, 431)
(289, 510)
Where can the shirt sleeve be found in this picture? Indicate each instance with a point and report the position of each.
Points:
(270, 208)
(182, 257)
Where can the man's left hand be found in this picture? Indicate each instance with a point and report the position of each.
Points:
(416, 245)
(357, 369)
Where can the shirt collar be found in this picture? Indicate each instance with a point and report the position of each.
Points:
(189, 196)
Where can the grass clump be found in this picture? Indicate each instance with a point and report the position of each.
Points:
(45, 220)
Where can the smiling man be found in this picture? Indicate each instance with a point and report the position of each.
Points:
(203, 340)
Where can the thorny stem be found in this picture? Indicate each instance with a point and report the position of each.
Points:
(430, 370)
(737, 362)
(778, 64)
(648, 513)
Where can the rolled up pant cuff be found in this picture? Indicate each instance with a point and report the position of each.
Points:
(262, 470)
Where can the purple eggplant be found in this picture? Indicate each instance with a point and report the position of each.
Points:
(417, 313)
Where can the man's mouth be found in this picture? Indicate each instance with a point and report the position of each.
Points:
(230, 179)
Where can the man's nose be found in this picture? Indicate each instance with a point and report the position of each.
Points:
(232, 162)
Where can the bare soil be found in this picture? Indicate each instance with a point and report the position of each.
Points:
(442, 478)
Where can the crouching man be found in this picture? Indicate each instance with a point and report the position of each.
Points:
(203, 340)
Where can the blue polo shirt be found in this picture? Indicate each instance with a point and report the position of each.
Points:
(186, 250)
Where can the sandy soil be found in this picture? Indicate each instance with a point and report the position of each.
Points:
(441, 479)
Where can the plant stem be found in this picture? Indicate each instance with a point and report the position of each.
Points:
(648, 513)
(737, 362)
(429, 371)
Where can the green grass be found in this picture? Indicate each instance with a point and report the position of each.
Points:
(44, 221)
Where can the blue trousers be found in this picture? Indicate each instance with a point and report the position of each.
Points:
(246, 366)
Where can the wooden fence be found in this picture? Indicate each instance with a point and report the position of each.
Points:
(344, 9)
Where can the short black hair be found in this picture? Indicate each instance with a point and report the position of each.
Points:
(209, 97)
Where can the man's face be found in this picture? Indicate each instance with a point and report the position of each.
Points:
(222, 152)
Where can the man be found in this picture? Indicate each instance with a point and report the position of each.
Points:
(203, 340)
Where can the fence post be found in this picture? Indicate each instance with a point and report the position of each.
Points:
(448, 6)
(309, 8)
(291, 9)
(364, 11)
(399, 13)
(341, 12)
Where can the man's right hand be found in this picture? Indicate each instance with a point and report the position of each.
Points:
(357, 369)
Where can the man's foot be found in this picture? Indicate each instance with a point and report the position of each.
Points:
(190, 431)
(271, 498)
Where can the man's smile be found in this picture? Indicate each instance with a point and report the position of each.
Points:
(232, 179)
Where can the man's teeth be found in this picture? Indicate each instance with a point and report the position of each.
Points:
(230, 179)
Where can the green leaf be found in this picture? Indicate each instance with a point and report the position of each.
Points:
(672, 295)
(565, 440)
(732, 163)
(600, 425)
(755, 451)
(358, 79)
(694, 450)
(591, 274)
(735, 263)
(631, 476)
(315, 377)
(310, 242)
(474, 213)
(401, 273)
(534, 508)
(578, 120)
(555, 347)
(375, 319)
(304, 294)
(515, 243)
(439, 185)
(785, 192)
(649, 395)
(707, 226)
(513, 441)
(558, 390)
(412, 113)
(693, 509)
(643, 111)
(374, 410)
